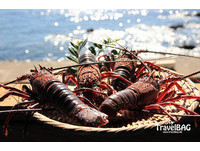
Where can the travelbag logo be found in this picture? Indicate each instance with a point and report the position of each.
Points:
(173, 128)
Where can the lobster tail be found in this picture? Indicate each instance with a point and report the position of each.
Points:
(76, 111)
(119, 84)
(125, 69)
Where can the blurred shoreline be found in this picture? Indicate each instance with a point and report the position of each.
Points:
(10, 70)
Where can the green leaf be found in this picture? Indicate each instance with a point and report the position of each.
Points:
(105, 41)
(114, 52)
(74, 45)
(109, 40)
(82, 44)
(92, 50)
(95, 44)
(117, 39)
(72, 58)
(73, 51)
(98, 45)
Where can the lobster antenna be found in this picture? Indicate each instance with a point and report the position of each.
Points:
(20, 110)
(154, 112)
(26, 110)
(91, 63)
(35, 68)
(40, 67)
(11, 82)
(181, 77)
(23, 77)
(70, 66)
(191, 74)
(166, 53)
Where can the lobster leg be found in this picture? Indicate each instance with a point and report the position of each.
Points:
(103, 69)
(139, 71)
(142, 68)
(12, 88)
(169, 103)
(27, 90)
(87, 101)
(23, 77)
(88, 89)
(70, 78)
(152, 65)
(108, 58)
(169, 94)
(16, 94)
(11, 114)
(161, 96)
(108, 87)
(112, 74)
(182, 97)
(158, 106)
(179, 107)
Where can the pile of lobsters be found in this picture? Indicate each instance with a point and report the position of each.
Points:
(105, 91)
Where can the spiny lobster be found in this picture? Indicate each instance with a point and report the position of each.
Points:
(144, 94)
(126, 66)
(47, 90)
(90, 81)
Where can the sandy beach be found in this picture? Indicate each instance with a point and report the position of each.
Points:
(10, 70)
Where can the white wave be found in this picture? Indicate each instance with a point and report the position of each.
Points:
(57, 39)
(141, 36)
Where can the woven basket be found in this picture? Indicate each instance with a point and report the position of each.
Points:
(149, 121)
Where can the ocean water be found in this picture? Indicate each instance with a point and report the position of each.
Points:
(35, 35)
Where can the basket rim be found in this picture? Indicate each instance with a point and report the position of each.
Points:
(47, 120)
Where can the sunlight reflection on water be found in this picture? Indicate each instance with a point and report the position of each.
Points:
(45, 34)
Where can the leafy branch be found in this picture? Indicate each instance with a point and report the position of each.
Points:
(96, 49)
(75, 50)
